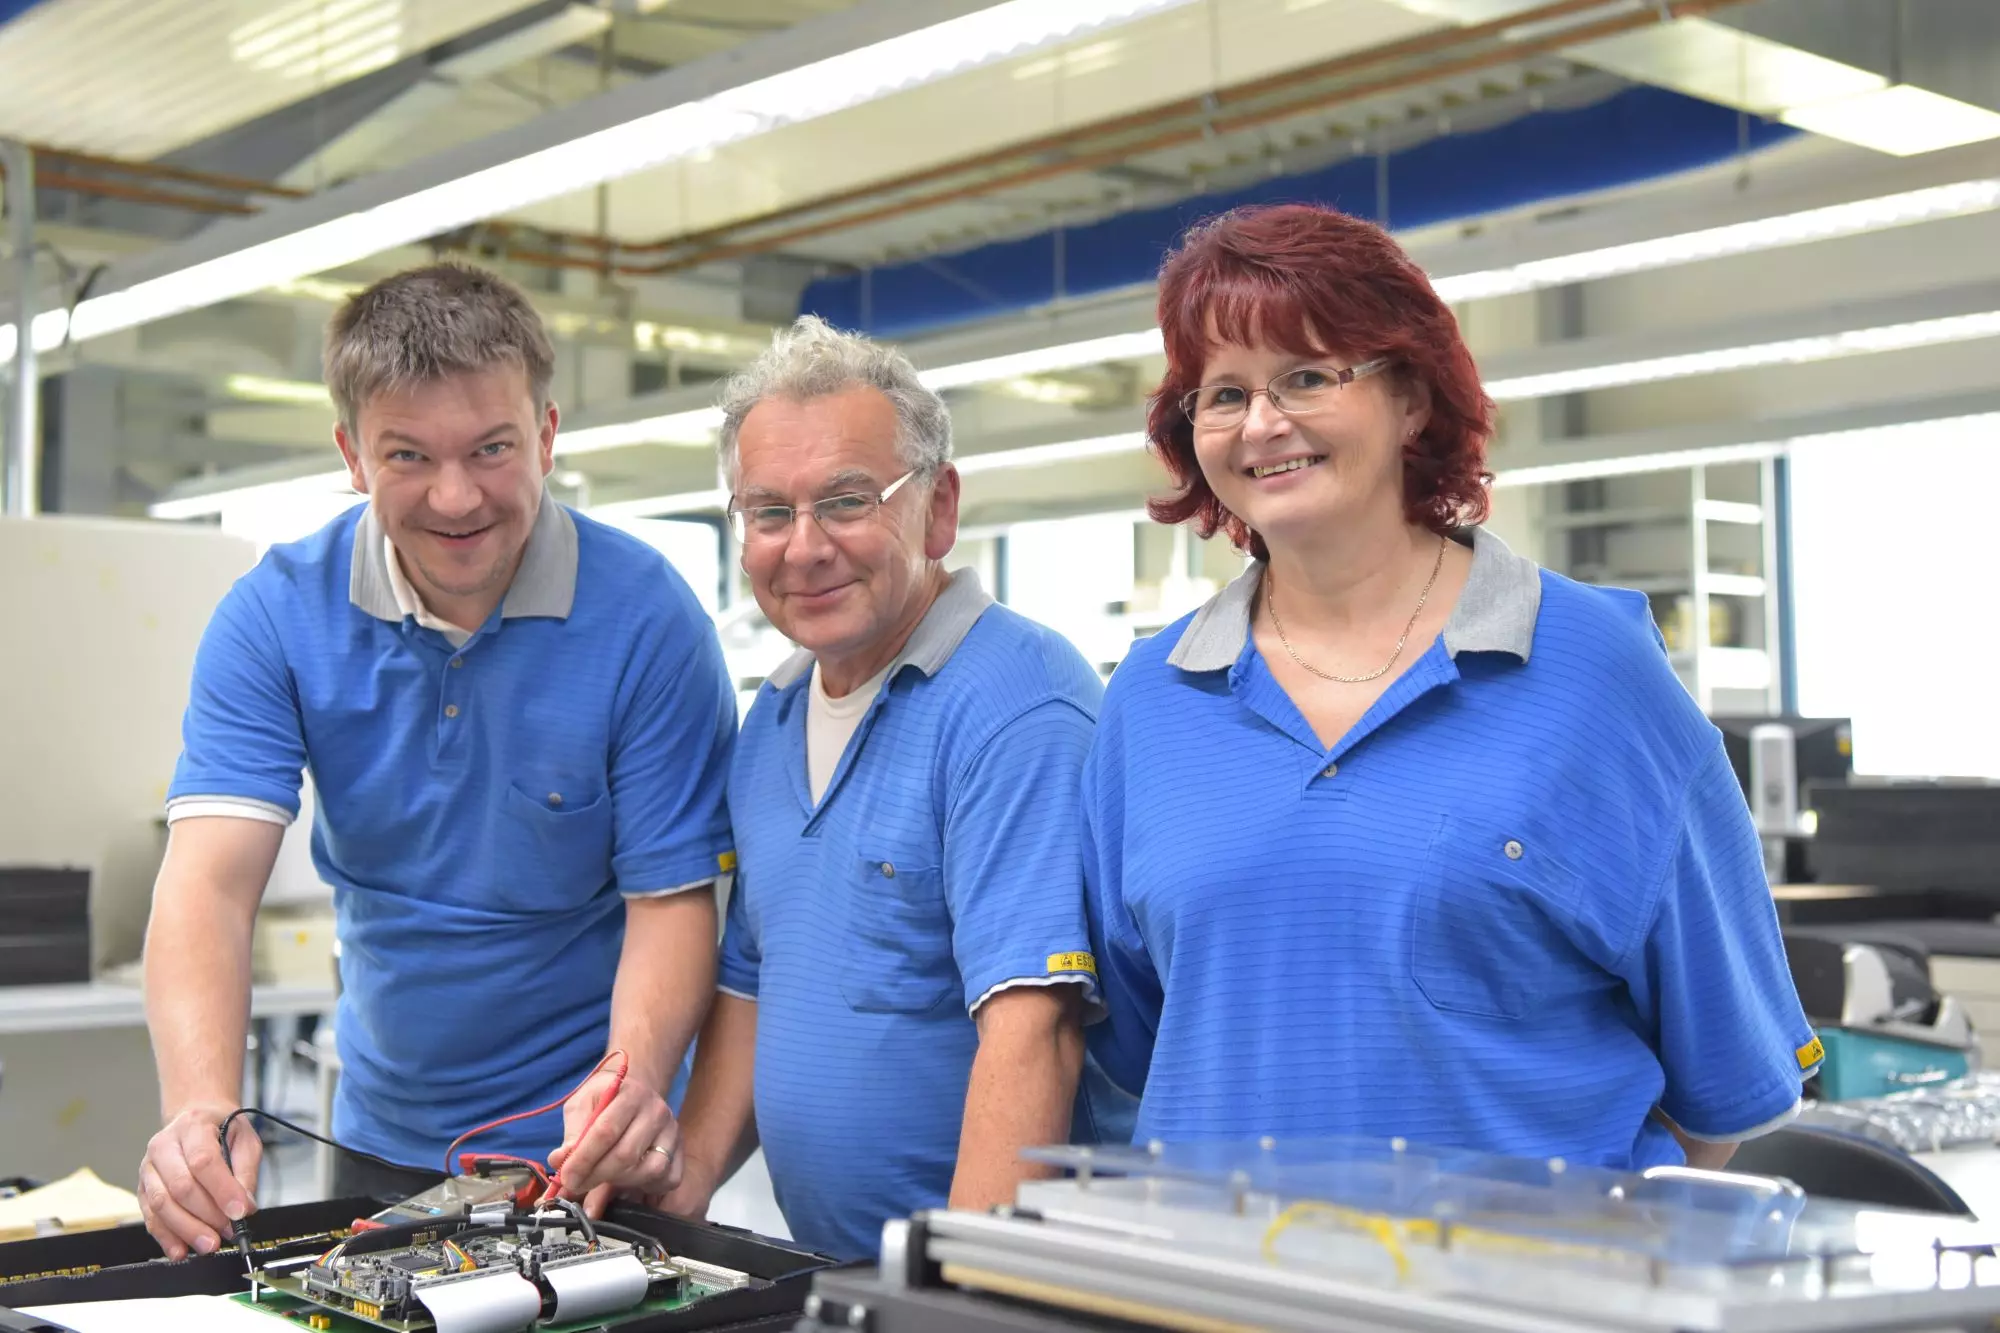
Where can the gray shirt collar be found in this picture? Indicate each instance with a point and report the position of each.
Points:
(951, 617)
(544, 585)
(1495, 613)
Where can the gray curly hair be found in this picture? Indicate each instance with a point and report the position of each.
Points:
(812, 359)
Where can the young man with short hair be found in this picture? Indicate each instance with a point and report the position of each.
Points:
(518, 724)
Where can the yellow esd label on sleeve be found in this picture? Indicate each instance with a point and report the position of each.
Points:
(1072, 962)
(1810, 1054)
(726, 862)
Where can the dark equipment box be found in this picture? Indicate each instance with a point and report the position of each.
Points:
(44, 925)
(1937, 838)
(125, 1263)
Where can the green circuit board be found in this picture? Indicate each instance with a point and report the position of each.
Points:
(289, 1309)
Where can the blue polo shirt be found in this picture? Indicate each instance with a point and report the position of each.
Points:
(1517, 908)
(943, 863)
(482, 811)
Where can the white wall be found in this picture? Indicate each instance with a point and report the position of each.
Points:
(102, 619)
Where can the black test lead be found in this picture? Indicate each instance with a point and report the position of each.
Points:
(241, 1227)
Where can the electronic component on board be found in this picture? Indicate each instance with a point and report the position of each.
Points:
(462, 1275)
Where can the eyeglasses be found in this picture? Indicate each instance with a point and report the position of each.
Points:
(1296, 393)
(836, 514)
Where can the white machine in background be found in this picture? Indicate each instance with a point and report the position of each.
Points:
(103, 618)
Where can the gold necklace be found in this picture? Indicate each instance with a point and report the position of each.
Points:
(1271, 604)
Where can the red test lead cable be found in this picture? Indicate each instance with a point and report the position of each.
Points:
(554, 1179)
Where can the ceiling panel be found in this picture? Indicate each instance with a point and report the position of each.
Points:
(138, 78)
(1164, 58)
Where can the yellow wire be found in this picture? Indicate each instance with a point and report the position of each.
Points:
(1382, 1229)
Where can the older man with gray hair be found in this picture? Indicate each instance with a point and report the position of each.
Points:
(518, 724)
(905, 965)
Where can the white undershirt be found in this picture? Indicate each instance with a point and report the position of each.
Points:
(410, 604)
(830, 725)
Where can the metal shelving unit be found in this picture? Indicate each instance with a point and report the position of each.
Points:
(1701, 543)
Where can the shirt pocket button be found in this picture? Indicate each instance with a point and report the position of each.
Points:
(1514, 850)
(888, 871)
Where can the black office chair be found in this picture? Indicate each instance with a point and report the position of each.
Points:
(1834, 1164)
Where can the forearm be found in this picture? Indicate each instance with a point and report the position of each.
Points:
(1021, 1092)
(1700, 1154)
(1706, 1156)
(666, 975)
(197, 962)
(718, 1116)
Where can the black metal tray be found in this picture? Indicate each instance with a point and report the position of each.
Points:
(125, 1263)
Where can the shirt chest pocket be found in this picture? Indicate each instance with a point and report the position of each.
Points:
(898, 958)
(552, 852)
(1487, 938)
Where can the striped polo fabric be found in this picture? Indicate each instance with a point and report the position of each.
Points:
(942, 864)
(1517, 908)
(483, 809)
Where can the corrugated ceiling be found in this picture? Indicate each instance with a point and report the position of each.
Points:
(138, 78)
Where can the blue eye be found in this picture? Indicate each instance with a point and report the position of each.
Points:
(840, 508)
(495, 449)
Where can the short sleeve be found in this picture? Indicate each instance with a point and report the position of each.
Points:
(1121, 1046)
(1013, 856)
(241, 737)
(1710, 979)
(670, 760)
(742, 954)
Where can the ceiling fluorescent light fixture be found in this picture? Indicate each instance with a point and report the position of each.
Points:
(263, 389)
(1789, 351)
(214, 502)
(1040, 455)
(1960, 199)
(49, 330)
(1900, 120)
(1980, 424)
(1551, 474)
(687, 502)
(1039, 360)
(809, 92)
(696, 427)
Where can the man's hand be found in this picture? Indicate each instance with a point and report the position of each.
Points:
(186, 1195)
(633, 1148)
(692, 1196)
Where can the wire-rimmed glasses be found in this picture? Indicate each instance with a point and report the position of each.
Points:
(1296, 393)
(835, 514)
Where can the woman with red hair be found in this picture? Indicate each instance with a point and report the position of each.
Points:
(1400, 834)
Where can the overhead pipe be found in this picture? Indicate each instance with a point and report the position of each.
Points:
(24, 426)
(1057, 154)
(1507, 54)
(1062, 141)
(166, 171)
(691, 249)
(142, 194)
